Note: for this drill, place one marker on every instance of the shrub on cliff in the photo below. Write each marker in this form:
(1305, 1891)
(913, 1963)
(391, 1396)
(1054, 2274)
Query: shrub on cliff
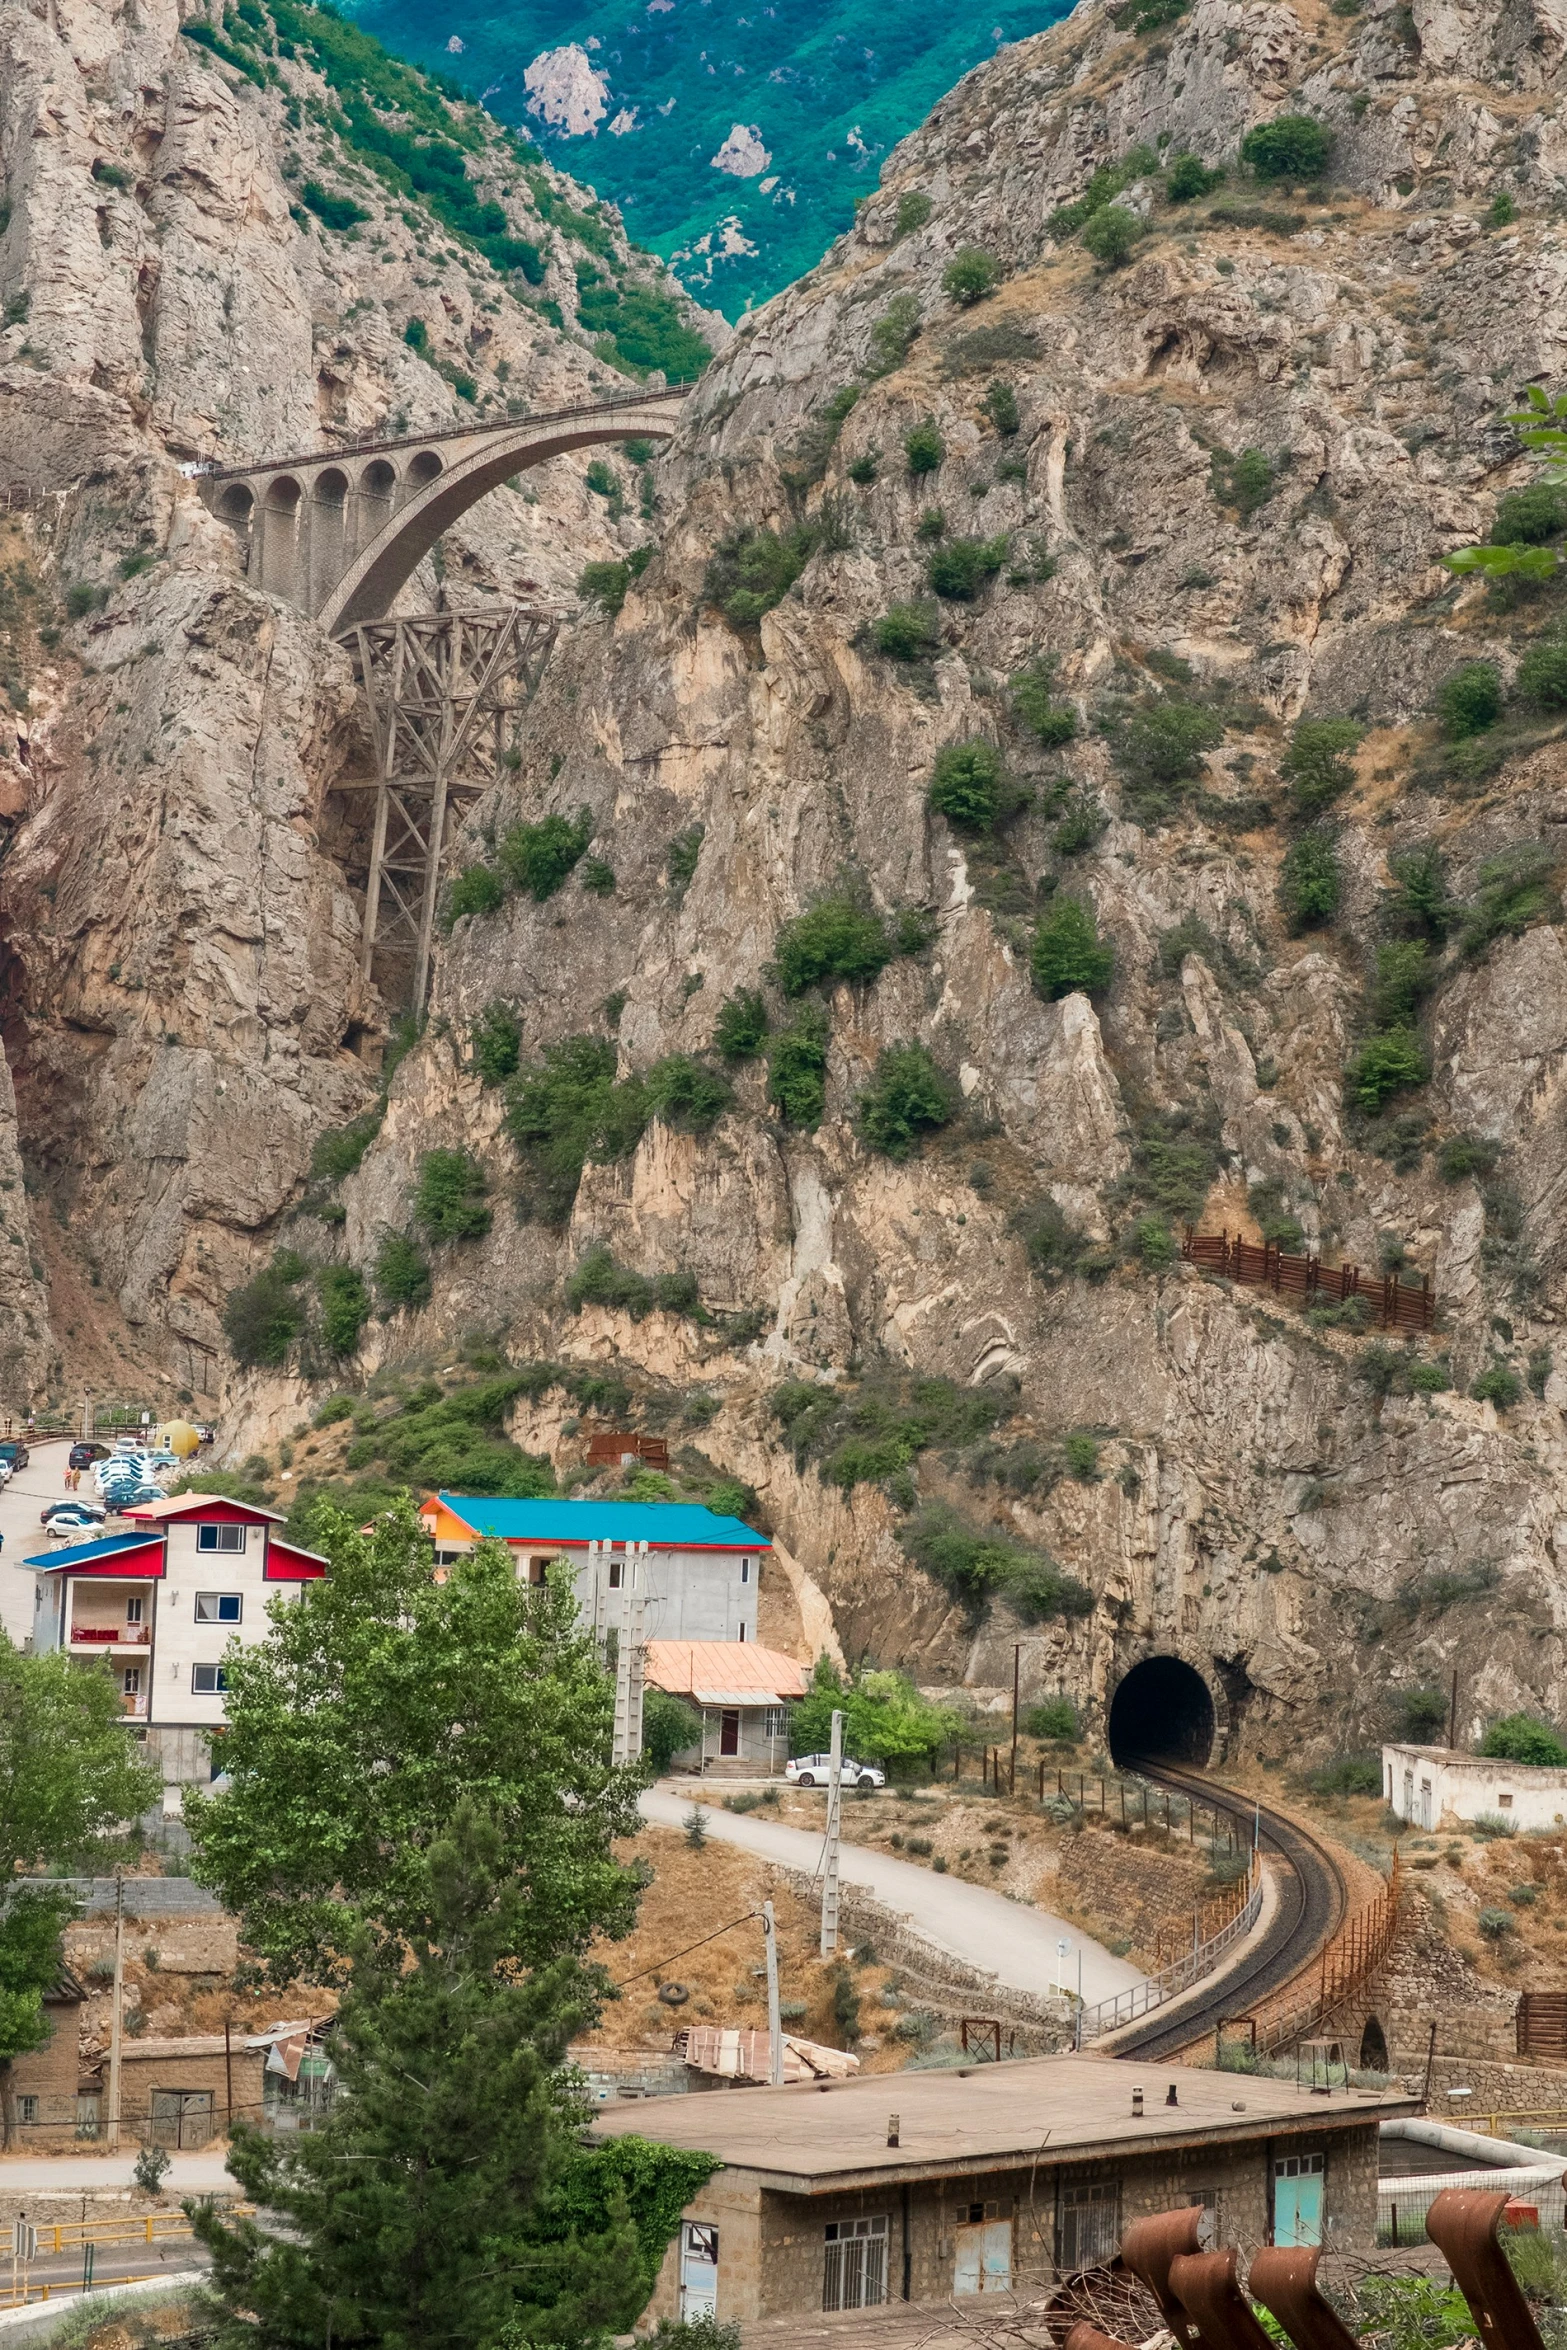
(1387, 1064)
(908, 1096)
(906, 632)
(345, 1307)
(976, 1567)
(923, 447)
(1052, 722)
(402, 1277)
(1188, 178)
(1164, 743)
(477, 889)
(960, 569)
(497, 1043)
(449, 1196)
(970, 276)
(265, 1316)
(969, 785)
(1316, 764)
(1470, 700)
(1291, 147)
(753, 572)
(740, 1031)
(537, 857)
(797, 1068)
(567, 1108)
(1068, 954)
(1310, 882)
(684, 1093)
(1111, 235)
(834, 939)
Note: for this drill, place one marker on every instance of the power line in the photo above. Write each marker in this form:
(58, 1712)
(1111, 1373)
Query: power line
(743, 1920)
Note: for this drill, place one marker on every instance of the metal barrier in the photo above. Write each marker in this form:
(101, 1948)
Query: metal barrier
(1093, 2023)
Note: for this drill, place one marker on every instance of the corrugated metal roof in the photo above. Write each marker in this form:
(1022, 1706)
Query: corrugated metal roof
(106, 1547)
(185, 1505)
(724, 1672)
(667, 1525)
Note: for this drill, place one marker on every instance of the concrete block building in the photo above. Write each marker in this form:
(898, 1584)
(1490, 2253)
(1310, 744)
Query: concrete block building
(1425, 1784)
(701, 1572)
(743, 1693)
(45, 2105)
(918, 2187)
(160, 1606)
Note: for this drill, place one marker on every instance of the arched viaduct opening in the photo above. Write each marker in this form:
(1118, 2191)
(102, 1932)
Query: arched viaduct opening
(1161, 1711)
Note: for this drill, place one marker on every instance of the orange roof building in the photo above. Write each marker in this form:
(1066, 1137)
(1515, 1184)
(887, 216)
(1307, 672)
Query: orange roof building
(743, 1693)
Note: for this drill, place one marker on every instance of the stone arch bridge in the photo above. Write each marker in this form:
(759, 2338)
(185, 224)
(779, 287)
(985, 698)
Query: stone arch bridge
(339, 533)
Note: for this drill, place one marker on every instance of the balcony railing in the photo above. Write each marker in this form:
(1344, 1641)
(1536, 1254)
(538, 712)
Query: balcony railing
(128, 1635)
(134, 1708)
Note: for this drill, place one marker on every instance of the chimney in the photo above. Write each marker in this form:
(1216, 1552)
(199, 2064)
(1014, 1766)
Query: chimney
(1137, 2105)
(892, 2129)
(1171, 2097)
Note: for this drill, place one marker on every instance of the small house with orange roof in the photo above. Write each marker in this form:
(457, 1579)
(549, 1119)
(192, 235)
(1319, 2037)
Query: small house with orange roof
(743, 1693)
(162, 1605)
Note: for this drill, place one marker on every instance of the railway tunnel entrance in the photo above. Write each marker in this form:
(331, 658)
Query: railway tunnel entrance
(1163, 1711)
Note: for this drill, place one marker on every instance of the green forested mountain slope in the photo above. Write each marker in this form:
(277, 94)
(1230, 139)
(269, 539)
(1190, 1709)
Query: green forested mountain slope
(639, 96)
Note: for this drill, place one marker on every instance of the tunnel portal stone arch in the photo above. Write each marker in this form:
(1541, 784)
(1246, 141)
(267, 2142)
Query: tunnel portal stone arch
(1162, 1710)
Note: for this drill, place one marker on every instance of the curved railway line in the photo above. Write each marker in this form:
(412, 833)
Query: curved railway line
(1313, 1903)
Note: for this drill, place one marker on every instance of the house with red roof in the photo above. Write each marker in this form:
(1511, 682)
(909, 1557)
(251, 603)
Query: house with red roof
(162, 1604)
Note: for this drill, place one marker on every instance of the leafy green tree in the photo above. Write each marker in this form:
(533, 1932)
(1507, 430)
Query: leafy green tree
(538, 857)
(1311, 883)
(446, 2199)
(797, 1068)
(1419, 902)
(402, 1277)
(1387, 1064)
(345, 1307)
(477, 889)
(70, 1779)
(1188, 178)
(265, 1316)
(834, 939)
(1068, 953)
(923, 447)
(886, 1720)
(740, 1032)
(669, 1726)
(1316, 764)
(1291, 147)
(970, 787)
(497, 1043)
(1112, 235)
(1542, 674)
(960, 568)
(1405, 976)
(908, 1096)
(1165, 742)
(1524, 1738)
(449, 1197)
(1470, 700)
(906, 632)
(1056, 1717)
(686, 1094)
(378, 1703)
(970, 276)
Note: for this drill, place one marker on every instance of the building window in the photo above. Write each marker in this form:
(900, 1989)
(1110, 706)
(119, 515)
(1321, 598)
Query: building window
(616, 1570)
(208, 1680)
(130, 1681)
(775, 1722)
(221, 1537)
(133, 1608)
(1504, 1803)
(1089, 2233)
(855, 2275)
(741, 1633)
(219, 1607)
(27, 2111)
(745, 1570)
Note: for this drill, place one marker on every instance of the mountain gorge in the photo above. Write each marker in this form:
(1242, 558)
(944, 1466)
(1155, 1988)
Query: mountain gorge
(1022, 781)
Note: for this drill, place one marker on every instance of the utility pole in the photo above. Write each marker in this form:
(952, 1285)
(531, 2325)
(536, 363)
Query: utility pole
(775, 2068)
(830, 1851)
(1017, 1657)
(1452, 1719)
(628, 1658)
(228, 2075)
(115, 2013)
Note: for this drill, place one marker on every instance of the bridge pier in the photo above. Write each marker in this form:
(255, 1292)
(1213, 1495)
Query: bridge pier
(446, 693)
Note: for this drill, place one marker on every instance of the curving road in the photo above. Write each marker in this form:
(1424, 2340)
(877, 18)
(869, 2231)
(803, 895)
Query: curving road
(1313, 1899)
(984, 1929)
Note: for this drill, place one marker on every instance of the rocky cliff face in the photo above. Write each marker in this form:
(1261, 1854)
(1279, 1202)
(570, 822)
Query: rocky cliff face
(1218, 479)
(184, 1013)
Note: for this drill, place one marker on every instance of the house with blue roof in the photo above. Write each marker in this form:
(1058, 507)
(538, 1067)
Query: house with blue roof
(701, 1573)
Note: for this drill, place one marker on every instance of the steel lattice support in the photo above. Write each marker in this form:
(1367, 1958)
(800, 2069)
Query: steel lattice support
(446, 693)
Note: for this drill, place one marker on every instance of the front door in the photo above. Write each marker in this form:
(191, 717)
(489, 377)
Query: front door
(729, 1730)
(984, 2263)
(181, 2118)
(1297, 2199)
(698, 2271)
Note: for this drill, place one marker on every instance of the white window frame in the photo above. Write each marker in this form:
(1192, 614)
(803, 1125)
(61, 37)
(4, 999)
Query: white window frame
(854, 2263)
(217, 1600)
(135, 1607)
(130, 1681)
(775, 1722)
(218, 1686)
(222, 1537)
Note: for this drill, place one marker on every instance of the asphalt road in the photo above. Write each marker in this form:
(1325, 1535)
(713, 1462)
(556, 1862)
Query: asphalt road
(983, 1929)
(42, 1480)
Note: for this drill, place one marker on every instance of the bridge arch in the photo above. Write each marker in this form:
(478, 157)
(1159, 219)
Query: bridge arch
(328, 548)
(1164, 1709)
(279, 543)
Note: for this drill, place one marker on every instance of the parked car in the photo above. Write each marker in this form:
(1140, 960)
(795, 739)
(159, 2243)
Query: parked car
(83, 1455)
(60, 1526)
(812, 1770)
(15, 1452)
(90, 1511)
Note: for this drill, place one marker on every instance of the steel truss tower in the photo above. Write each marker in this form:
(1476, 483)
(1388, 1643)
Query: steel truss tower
(446, 694)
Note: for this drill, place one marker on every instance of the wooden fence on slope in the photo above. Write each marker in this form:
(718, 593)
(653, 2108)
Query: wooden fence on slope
(1398, 1305)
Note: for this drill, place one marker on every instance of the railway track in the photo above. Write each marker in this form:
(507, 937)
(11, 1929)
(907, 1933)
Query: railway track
(1312, 1906)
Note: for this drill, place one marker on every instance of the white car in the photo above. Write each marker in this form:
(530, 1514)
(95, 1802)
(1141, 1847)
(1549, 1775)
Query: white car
(813, 1770)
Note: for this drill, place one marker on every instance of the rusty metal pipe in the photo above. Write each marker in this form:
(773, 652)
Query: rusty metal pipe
(1285, 2282)
(1462, 2224)
(1205, 2284)
(1083, 2336)
(1148, 2248)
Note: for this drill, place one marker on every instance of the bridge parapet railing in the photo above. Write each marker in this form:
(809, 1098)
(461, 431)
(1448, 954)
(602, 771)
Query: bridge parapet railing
(491, 427)
(1109, 2015)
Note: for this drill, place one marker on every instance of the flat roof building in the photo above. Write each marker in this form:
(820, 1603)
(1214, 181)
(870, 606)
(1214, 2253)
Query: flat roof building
(1427, 1784)
(917, 2187)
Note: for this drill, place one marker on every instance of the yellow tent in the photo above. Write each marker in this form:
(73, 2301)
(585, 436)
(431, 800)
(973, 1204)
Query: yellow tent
(180, 1437)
